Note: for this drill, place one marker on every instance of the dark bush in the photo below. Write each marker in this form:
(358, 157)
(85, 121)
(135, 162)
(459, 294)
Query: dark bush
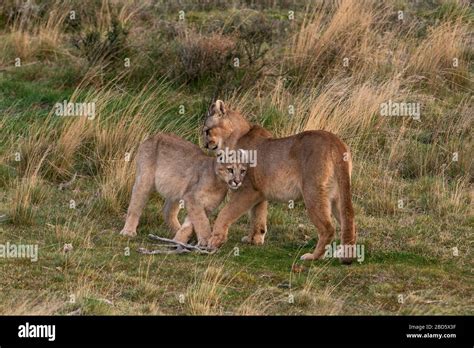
(103, 49)
(205, 56)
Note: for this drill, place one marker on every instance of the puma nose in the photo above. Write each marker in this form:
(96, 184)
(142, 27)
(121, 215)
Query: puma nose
(234, 184)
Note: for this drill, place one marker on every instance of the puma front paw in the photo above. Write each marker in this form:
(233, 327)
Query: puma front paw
(215, 242)
(255, 240)
(246, 239)
(308, 257)
(128, 233)
(203, 242)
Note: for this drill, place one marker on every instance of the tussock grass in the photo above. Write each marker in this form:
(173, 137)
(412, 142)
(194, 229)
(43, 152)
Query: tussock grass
(30, 303)
(260, 302)
(325, 301)
(115, 186)
(28, 192)
(204, 296)
(30, 39)
(438, 53)
(322, 43)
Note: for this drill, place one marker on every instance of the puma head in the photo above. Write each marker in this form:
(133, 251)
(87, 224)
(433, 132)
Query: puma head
(232, 173)
(217, 126)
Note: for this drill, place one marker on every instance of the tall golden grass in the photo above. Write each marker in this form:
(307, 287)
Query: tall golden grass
(385, 61)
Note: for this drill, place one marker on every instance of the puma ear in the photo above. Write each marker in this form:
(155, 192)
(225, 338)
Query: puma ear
(218, 108)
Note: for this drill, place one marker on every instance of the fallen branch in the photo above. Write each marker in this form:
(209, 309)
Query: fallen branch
(178, 250)
(174, 247)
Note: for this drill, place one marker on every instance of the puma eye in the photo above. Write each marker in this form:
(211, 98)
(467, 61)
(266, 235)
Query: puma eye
(230, 170)
(242, 171)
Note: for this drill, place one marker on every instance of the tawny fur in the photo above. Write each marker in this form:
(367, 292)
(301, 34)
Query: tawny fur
(314, 166)
(179, 170)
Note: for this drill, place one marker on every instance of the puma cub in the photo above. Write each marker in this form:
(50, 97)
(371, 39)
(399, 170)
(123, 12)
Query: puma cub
(179, 170)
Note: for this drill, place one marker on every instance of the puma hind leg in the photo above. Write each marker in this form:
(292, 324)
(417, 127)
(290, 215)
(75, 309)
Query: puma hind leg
(258, 220)
(199, 220)
(141, 190)
(170, 215)
(319, 211)
(185, 232)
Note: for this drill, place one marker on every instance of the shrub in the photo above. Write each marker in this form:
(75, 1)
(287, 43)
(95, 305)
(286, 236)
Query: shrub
(205, 56)
(255, 33)
(103, 49)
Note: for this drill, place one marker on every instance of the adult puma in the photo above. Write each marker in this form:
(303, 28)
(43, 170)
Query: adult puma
(314, 166)
(179, 170)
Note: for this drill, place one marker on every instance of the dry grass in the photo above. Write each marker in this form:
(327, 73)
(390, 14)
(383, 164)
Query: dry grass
(106, 145)
(30, 39)
(435, 56)
(385, 62)
(22, 210)
(28, 190)
(319, 301)
(322, 44)
(33, 39)
(29, 303)
(204, 296)
(260, 302)
(115, 185)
